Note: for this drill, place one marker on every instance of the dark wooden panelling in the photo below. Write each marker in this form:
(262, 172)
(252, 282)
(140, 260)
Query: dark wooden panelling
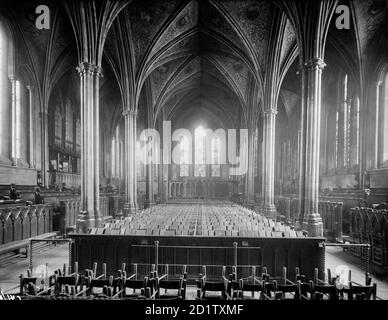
(274, 253)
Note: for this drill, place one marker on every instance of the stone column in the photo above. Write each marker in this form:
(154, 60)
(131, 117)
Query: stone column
(310, 128)
(249, 180)
(160, 168)
(44, 152)
(377, 124)
(313, 25)
(150, 185)
(268, 156)
(130, 207)
(31, 158)
(166, 186)
(90, 173)
(13, 80)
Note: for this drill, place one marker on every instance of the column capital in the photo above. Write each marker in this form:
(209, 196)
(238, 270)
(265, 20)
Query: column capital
(90, 68)
(313, 63)
(270, 112)
(129, 112)
(12, 77)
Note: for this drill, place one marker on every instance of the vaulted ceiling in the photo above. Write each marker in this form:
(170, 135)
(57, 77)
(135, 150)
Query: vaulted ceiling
(197, 53)
(186, 57)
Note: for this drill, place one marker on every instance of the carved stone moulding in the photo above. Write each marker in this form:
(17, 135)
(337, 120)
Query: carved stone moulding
(86, 67)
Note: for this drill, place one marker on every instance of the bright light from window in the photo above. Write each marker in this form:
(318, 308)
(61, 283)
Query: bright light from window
(3, 78)
(200, 132)
(200, 167)
(18, 119)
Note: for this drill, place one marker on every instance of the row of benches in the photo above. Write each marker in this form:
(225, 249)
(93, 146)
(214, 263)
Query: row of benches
(370, 226)
(224, 220)
(191, 232)
(18, 223)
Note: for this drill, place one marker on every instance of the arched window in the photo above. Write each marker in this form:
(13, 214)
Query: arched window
(140, 166)
(14, 107)
(117, 152)
(78, 135)
(5, 95)
(69, 127)
(255, 153)
(216, 156)
(355, 132)
(341, 123)
(18, 116)
(381, 150)
(343, 139)
(336, 138)
(184, 157)
(113, 157)
(200, 154)
(58, 119)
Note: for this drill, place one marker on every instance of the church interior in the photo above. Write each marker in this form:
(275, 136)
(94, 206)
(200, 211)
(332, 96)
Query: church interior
(194, 149)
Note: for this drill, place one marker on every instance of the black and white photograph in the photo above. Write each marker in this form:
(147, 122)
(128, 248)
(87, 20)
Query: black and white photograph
(194, 156)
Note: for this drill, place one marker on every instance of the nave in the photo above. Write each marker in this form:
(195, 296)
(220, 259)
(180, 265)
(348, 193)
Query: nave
(241, 136)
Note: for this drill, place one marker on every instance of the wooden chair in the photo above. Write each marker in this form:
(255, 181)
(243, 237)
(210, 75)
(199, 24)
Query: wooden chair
(359, 292)
(168, 283)
(131, 282)
(324, 292)
(28, 286)
(99, 283)
(64, 283)
(305, 286)
(223, 286)
(284, 291)
(253, 285)
(284, 288)
(26, 283)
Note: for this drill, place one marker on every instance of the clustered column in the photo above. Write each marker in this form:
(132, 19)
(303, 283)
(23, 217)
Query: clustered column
(44, 154)
(269, 209)
(249, 184)
(310, 128)
(150, 184)
(90, 202)
(130, 206)
(31, 158)
(13, 80)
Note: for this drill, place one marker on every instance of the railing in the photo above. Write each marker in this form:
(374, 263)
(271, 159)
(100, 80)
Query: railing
(71, 180)
(241, 259)
(19, 223)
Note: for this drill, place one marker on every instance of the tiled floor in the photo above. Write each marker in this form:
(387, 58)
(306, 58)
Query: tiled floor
(55, 257)
(336, 257)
